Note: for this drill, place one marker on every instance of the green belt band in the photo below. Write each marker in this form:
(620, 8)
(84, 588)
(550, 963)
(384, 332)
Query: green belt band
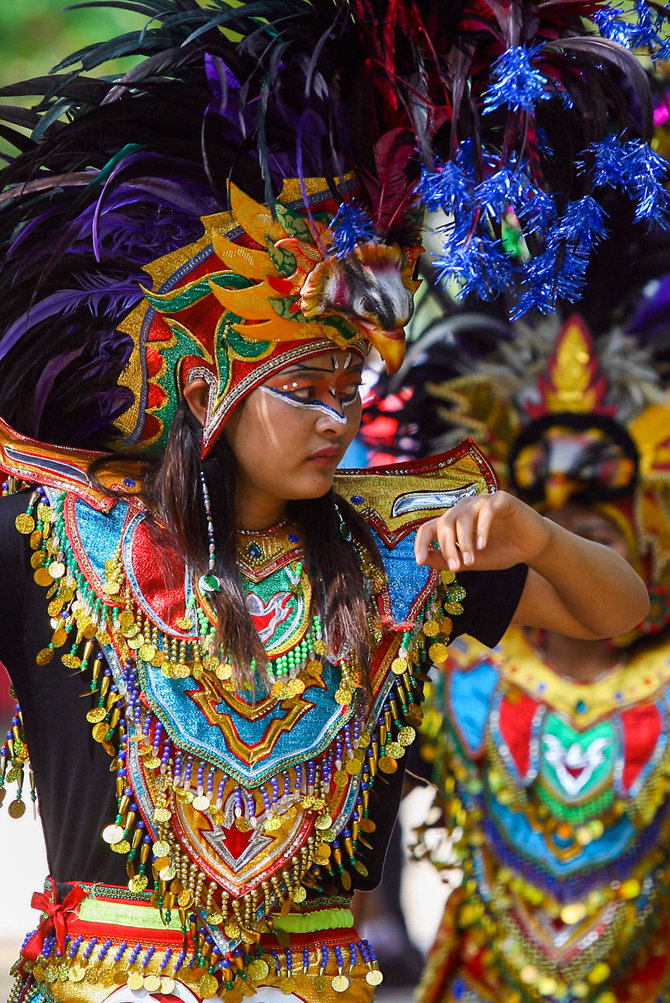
(142, 917)
(146, 917)
(324, 919)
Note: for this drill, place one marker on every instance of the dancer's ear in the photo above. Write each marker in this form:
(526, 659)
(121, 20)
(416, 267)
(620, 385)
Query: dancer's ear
(196, 394)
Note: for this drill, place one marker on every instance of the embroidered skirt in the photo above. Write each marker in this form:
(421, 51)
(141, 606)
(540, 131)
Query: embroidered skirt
(108, 945)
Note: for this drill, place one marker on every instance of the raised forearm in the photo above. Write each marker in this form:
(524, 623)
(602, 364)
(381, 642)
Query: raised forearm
(596, 587)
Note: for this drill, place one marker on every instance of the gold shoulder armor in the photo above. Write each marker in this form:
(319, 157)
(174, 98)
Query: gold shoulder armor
(397, 498)
(64, 468)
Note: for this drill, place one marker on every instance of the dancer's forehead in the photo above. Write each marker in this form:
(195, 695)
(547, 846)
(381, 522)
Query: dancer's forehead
(328, 363)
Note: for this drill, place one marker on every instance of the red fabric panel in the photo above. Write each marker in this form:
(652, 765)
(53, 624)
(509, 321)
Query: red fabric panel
(517, 711)
(642, 729)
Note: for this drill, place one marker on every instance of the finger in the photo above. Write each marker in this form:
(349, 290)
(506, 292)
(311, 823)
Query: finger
(425, 536)
(446, 535)
(483, 526)
(465, 523)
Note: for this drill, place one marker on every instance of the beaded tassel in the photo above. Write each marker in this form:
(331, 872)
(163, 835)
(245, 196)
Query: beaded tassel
(209, 582)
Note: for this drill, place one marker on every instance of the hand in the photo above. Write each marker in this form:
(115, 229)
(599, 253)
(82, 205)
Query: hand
(487, 532)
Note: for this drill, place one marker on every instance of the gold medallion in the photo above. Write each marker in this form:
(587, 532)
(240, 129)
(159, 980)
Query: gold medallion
(374, 977)
(340, 983)
(152, 983)
(438, 652)
(454, 608)
(38, 559)
(258, 969)
(42, 577)
(99, 731)
(387, 765)
(354, 767)
(399, 666)
(343, 696)
(201, 803)
(44, 656)
(207, 986)
(161, 848)
(138, 883)
(135, 981)
(96, 714)
(167, 985)
(406, 735)
(56, 569)
(322, 854)
(17, 809)
(59, 638)
(24, 523)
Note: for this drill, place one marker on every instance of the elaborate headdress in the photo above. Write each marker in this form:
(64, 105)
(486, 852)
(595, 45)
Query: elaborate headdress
(501, 115)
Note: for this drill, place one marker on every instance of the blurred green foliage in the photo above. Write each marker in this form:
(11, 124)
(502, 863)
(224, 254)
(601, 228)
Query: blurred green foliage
(37, 34)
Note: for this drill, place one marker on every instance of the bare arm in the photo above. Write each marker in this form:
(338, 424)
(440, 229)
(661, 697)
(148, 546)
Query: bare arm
(574, 587)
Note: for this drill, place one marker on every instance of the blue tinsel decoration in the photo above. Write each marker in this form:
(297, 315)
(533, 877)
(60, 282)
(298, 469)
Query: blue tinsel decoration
(480, 264)
(609, 169)
(638, 170)
(351, 226)
(582, 223)
(446, 187)
(538, 212)
(507, 187)
(516, 82)
(647, 172)
(613, 27)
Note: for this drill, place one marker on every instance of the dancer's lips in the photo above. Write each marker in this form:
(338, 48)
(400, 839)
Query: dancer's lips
(327, 456)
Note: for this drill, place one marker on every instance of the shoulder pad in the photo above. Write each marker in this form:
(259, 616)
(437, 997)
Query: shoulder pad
(64, 468)
(397, 498)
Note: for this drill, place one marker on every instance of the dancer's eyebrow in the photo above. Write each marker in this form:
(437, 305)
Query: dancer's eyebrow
(299, 368)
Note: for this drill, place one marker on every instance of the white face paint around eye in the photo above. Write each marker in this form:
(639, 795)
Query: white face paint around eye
(287, 397)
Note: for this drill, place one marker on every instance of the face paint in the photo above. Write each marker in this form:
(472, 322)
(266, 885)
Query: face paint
(316, 405)
(314, 388)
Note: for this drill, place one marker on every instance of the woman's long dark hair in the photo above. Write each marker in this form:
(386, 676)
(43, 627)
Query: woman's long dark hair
(173, 493)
